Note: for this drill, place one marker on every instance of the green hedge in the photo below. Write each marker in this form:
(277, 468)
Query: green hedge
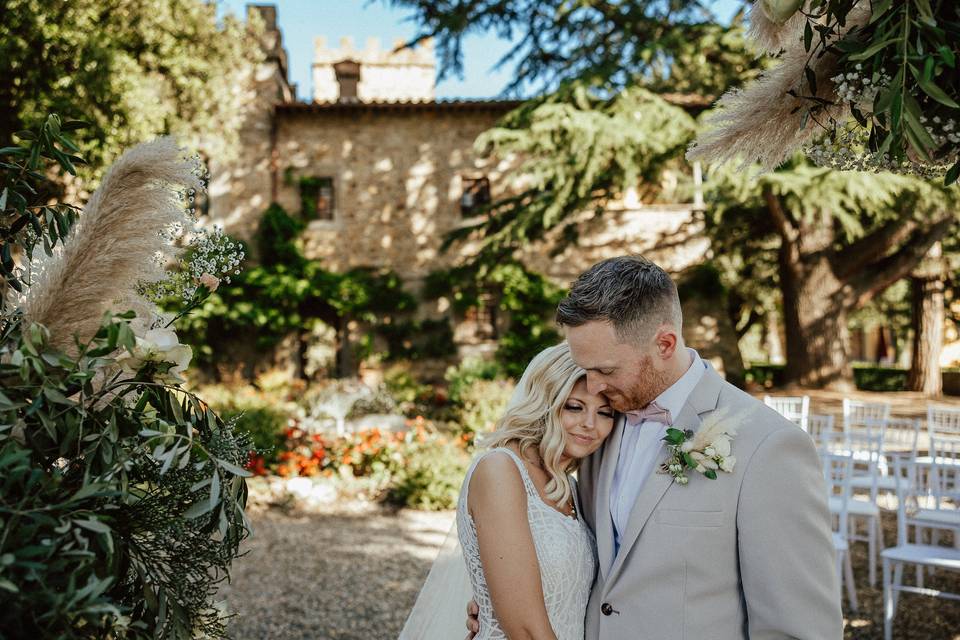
(867, 377)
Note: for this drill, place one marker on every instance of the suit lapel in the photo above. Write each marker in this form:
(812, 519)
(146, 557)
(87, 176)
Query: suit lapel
(604, 524)
(702, 399)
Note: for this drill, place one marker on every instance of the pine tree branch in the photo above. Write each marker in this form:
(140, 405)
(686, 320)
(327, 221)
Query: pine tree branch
(872, 247)
(880, 274)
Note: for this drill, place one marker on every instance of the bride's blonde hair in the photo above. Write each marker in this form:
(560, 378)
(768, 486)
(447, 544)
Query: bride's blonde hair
(532, 417)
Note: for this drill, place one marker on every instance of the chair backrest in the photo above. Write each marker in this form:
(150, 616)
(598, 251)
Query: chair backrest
(901, 434)
(837, 473)
(793, 408)
(866, 446)
(945, 471)
(907, 483)
(943, 419)
(857, 412)
(820, 426)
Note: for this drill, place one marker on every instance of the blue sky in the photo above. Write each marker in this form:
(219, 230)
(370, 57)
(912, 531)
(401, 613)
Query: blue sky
(302, 20)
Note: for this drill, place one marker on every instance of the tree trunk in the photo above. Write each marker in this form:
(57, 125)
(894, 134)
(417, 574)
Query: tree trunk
(815, 318)
(927, 318)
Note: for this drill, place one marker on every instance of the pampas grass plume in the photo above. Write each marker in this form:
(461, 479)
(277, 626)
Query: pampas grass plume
(114, 246)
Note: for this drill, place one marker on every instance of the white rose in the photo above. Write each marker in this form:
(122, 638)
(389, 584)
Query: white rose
(721, 447)
(686, 447)
(711, 464)
(709, 452)
(158, 345)
(701, 468)
(727, 463)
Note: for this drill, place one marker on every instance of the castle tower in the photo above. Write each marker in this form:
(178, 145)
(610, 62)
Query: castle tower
(349, 74)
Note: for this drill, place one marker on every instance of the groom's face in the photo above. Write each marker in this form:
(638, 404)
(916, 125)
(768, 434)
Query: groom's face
(626, 373)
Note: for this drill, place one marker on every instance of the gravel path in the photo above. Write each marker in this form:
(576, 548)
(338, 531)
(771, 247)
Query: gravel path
(344, 575)
(353, 573)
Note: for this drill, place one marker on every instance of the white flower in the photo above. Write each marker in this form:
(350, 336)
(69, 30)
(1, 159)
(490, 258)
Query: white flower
(721, 447)
(710, 452)
(686, 447)
(727, 463)
(159, 346)
(682, 479)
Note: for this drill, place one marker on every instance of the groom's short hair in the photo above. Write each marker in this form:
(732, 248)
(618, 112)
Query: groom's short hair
(630, 292)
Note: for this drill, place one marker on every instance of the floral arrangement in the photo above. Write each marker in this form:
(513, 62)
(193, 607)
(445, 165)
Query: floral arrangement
(122, 494)
(860, 86)
(705, 451)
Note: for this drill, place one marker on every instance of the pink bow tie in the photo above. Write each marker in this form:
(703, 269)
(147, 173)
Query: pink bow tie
(652, 411)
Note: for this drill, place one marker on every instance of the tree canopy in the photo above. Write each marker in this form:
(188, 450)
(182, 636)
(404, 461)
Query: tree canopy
(131, 69)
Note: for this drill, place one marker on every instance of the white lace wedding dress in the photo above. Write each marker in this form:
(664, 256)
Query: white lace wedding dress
(565, 549)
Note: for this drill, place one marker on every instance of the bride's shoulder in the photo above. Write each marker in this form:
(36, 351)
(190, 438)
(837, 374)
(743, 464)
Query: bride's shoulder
(496, 470)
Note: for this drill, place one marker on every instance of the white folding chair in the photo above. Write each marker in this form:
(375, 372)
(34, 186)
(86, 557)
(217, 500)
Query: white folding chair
(820, 426)
(856, 413)
(865, 448)
(837, 469)
(793, 408)
(943, 420)
(907, 475)
(900, 436)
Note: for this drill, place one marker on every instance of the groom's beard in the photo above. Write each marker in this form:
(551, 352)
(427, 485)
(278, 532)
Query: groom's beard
(650, 383)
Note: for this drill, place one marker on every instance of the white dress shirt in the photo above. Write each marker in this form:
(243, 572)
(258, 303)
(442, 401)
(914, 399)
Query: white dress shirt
(641, 448)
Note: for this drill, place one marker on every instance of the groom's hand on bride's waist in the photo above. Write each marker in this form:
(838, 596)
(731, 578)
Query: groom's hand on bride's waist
(473, 621)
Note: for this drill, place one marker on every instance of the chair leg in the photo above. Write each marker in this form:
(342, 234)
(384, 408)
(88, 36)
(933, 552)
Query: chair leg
(872, 551)
(851, 587)
(897, 581)
(889, 606)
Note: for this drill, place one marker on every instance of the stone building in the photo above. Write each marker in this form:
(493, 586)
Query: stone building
(382, 171)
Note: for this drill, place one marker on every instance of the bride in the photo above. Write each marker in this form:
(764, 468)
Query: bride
(530, 557)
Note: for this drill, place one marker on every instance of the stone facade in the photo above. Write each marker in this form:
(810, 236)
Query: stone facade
(398, 161)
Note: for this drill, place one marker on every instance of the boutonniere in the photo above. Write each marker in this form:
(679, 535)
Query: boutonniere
(705, 451)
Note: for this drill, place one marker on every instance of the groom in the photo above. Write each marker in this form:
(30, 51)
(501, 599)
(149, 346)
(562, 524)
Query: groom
(746, 555)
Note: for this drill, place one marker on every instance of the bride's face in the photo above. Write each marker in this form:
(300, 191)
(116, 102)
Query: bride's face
(587, 419)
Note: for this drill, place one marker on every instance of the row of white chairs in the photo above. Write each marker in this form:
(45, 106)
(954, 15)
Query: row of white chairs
(872, 461)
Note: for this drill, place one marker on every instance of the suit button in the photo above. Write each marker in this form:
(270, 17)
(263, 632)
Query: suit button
(606, 609)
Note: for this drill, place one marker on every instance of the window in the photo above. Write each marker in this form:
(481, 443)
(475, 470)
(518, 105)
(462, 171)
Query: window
(316, 198)
(484, 317)
(476, 194)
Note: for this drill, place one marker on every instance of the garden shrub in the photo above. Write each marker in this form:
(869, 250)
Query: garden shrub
(430, 473)
(875, 378)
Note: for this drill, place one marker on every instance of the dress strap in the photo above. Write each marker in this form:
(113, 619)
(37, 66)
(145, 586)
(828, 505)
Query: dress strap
(527, 482)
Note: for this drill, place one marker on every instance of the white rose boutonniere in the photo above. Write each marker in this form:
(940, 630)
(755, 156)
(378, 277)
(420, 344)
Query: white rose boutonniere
(705, 451)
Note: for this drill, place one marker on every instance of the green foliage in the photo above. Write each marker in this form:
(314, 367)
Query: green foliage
(528, 298)
(27, 218)
(431, 475)
(133, 70)
(908, 49)
(122, 499)
(418, 339)
(678, 43)
(872, 378)
(468, 373)
(577, 150)
(287, 293)
(478, 394)
(277, 236)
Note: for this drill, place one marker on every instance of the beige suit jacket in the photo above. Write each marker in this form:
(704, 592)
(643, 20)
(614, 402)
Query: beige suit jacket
(748, 555)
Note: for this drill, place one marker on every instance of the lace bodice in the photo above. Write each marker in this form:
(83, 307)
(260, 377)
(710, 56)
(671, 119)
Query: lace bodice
(566, 552)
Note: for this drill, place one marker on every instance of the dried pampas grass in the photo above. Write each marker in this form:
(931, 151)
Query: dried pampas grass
(767, 36)
(761, 122)
(114, 246)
